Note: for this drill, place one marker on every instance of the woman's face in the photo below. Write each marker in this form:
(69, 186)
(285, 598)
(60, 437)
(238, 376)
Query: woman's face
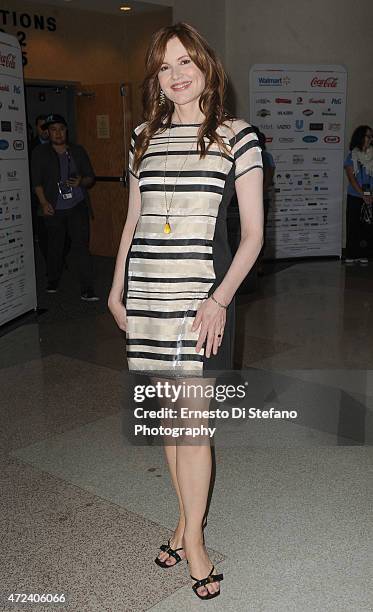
(367, 139)
(180, 79)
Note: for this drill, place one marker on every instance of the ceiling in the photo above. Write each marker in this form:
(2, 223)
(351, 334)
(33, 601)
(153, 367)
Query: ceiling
(109, 6)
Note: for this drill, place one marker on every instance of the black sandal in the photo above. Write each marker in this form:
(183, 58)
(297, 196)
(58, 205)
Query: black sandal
(210, 578)
(172, 552)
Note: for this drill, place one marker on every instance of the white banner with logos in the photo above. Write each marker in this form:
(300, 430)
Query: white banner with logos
(301, 110)
(17, 270)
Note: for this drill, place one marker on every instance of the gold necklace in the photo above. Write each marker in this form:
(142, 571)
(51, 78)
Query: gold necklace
(167, 226)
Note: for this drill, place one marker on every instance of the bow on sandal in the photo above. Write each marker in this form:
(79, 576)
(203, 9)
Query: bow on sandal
(170, 551)
(210, 578)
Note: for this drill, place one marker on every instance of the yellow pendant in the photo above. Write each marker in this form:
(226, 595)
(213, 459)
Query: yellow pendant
(167, 228)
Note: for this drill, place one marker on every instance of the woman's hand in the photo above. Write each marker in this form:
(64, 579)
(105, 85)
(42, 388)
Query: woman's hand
(118, 311)
(368, 199)
(210, 318)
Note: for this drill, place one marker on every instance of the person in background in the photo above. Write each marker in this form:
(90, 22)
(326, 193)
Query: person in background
(61, 175)
(38, 225)
(41, 136)
(359, 169)
(30, 134)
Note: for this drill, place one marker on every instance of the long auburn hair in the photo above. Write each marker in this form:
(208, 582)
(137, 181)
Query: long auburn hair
(211, 102)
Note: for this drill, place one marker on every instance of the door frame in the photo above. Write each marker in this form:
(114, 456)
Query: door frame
(72, 88)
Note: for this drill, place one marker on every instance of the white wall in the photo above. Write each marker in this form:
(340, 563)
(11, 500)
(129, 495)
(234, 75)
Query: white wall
(208, 16)
(246, 32)
(304, 32)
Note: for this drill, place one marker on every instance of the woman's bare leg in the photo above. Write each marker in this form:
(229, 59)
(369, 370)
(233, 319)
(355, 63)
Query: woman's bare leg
(176, 541)
(193, 472)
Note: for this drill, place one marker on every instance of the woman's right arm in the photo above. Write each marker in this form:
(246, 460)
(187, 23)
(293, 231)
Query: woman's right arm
(115, 300)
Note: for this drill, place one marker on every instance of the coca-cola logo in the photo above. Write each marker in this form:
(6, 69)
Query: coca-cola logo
(8, 61)
(328, 82)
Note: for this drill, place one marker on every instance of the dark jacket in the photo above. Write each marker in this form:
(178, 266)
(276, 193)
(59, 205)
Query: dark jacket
(35, 142)
(45, 170)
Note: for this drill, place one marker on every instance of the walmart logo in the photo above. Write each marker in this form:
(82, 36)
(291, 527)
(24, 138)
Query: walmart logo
(273, 81)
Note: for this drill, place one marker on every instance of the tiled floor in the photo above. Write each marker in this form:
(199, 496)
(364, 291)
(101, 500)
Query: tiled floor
(83, 511)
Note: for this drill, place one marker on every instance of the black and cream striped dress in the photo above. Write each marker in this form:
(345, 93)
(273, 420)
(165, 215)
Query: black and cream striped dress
(167, 276)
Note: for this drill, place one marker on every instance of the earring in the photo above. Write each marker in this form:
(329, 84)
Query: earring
(162, 98)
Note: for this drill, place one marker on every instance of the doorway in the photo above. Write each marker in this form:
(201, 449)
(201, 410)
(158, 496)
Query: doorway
(46, 97)
(99, 118)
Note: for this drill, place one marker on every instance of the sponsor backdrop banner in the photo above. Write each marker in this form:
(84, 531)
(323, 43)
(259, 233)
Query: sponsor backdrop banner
(17, 271)
(301, 111)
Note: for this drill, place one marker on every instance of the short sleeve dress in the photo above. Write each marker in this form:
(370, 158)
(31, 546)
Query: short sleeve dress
(167, 276)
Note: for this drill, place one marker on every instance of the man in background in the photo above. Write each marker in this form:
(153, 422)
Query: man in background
(41, 136)
(38, 225)
(61, 175)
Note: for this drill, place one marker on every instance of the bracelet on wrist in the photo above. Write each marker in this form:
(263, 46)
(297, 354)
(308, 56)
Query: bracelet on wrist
(218, 303)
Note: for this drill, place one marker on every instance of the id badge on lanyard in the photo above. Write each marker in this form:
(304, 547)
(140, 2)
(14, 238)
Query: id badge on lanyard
(64, 189)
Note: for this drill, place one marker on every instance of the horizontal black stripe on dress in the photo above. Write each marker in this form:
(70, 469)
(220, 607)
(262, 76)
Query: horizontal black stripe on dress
(165, 343)
(184, 299)
(150, 291)
(152, 255)
(248, 170)
(163, 357)
(244, 132)
(174, 215)
(173, 136)
(166, 279)
(170, 299)
(161, 314)
(186, 173)
(245, 147)
(161, 154)
(182, 188)
(173, 241)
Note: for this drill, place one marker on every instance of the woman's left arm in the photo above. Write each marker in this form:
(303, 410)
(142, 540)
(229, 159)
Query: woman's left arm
(211, 316)
(249, 189)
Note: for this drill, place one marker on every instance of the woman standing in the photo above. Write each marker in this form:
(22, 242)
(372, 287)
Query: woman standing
(359, 169)
(174, 271)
